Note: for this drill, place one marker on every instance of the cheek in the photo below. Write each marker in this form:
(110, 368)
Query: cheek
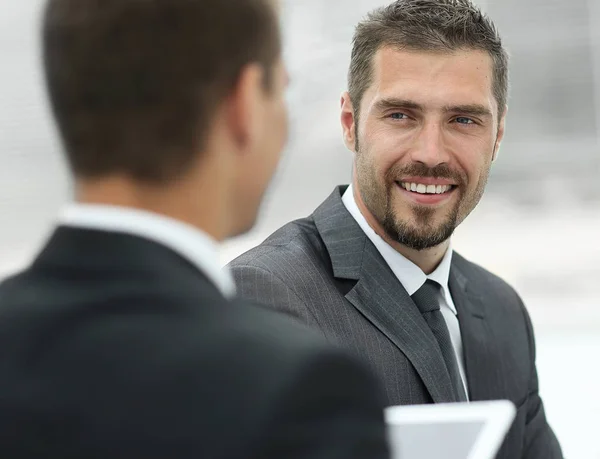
(278, 127)
(474, 160)
(479, 167)
(383, 148)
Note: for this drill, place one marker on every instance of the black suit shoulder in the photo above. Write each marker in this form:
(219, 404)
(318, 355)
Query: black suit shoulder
(149, 366)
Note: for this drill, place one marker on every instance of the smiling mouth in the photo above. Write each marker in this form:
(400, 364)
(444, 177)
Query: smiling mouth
(421, 188)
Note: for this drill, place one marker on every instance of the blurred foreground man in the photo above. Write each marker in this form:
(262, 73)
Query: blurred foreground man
(372, 268)
(121, 340)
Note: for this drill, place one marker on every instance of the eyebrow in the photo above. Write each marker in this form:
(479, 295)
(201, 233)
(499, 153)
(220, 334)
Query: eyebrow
(467, 109)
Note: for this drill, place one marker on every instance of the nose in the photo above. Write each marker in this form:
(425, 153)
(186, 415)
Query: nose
(430, 148)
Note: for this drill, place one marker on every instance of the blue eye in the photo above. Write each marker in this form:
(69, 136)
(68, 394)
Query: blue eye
(398, 116)
(464, 120)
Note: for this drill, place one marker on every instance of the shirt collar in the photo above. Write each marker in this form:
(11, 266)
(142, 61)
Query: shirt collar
(189, 242)
(410, 275)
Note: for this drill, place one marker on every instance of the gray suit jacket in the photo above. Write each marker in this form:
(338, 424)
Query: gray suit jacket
(325, 271)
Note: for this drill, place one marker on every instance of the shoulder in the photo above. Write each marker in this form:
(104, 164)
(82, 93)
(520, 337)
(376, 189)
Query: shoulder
(259, 361)
(238, 342)
(203, 364)
(292, 246)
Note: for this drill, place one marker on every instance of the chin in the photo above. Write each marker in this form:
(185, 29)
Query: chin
(419, 235)
(419, 240)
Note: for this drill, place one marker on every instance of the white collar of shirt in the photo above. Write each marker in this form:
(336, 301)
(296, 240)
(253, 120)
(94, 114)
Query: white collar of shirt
(189, 242)
(410, 275)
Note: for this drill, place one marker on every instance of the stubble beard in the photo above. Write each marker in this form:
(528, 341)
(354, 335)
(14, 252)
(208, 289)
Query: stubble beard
(417, 231)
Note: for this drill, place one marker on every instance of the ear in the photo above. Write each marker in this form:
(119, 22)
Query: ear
(245, 107)
(348, 122)
(499, 135)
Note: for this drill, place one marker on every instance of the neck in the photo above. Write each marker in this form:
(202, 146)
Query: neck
(427, 260)
(178, 201)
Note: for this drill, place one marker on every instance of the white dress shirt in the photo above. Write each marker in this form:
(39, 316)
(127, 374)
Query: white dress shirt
(412, 277)
(189, 242)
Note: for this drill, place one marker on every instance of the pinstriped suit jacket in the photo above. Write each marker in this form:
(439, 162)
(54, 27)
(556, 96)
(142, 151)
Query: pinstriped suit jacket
(325, 271)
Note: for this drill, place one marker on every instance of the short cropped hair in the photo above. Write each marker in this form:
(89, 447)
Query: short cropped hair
(134, 84)
(426, 25)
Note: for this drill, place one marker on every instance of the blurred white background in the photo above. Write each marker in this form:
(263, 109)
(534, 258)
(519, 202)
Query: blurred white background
(538, 226)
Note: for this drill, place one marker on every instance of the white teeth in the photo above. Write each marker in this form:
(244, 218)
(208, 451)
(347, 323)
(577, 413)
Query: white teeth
(425, 189)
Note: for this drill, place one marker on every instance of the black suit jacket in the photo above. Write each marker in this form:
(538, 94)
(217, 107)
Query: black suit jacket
(112, 346)
(326, 272)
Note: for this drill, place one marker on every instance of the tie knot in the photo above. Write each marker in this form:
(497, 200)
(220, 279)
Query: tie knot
(426, 298)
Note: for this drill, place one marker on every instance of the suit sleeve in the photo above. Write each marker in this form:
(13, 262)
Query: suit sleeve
(332, 408)
(540, 440)
(258, 285)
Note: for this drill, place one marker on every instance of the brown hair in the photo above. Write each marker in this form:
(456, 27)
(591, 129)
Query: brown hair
(425, 25)
(134, 84)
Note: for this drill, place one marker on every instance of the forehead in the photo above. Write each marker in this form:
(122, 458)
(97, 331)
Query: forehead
(434, 78)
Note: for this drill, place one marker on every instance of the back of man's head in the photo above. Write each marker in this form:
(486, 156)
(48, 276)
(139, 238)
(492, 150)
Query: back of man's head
(134, 84)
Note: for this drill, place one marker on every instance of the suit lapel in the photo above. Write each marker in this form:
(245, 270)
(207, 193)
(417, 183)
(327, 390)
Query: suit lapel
(484, 375)
(379, 296)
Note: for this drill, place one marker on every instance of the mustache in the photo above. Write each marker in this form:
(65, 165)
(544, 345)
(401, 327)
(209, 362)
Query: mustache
(422, 170)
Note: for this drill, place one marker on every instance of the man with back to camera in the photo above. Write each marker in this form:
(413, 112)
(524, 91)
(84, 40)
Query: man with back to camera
(122, 339)
(373, 268)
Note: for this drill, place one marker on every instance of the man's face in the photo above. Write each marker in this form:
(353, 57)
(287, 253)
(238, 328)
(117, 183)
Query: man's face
(427, 132)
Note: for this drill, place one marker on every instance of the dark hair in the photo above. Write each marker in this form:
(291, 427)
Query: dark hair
(134, 84)
(425, 25)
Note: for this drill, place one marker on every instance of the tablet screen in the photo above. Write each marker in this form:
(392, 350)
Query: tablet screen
(450, 431)
(434, 441)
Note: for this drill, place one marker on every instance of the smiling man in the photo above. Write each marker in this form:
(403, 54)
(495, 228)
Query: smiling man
(372, 268)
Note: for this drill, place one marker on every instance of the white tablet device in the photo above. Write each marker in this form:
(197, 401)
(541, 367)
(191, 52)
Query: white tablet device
(451, 431)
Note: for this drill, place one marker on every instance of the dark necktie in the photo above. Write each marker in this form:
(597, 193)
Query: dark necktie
(426, 299)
